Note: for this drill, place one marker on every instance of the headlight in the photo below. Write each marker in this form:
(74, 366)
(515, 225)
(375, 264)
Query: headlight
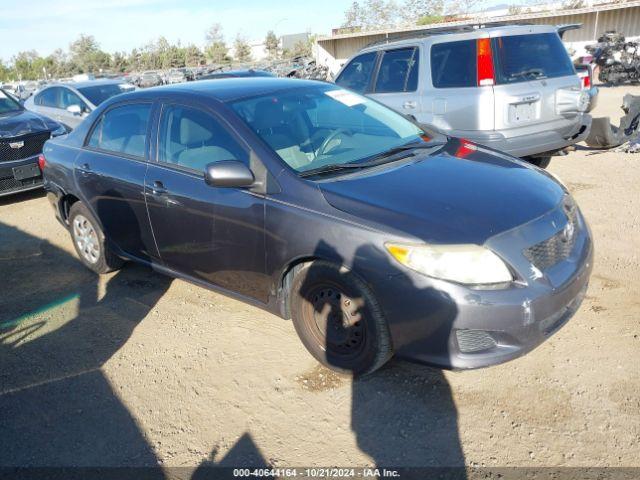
(468, 264)
(59, 131)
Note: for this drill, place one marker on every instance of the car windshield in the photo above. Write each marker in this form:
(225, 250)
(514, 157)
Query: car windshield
(8, 104)
(313, 127)
(97, 94)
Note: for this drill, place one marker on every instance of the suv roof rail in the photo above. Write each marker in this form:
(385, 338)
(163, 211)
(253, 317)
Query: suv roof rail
(427, 32)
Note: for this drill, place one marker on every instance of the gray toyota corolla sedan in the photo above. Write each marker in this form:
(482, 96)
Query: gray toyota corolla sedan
(323, 206)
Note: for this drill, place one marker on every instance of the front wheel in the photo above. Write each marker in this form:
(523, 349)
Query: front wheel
(338, 319)
(90, 242)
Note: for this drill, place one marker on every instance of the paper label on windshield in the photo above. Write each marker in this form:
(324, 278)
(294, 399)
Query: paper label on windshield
(2, 95)
(343, 96)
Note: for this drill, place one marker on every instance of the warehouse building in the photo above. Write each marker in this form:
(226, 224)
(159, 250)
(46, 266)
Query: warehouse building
(334, 50)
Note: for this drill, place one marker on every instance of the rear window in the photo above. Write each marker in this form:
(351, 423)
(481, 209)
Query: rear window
(519, 58)
(99, 93)
(453, 64)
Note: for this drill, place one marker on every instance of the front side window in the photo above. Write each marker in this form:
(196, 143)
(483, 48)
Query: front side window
(68, 98)
(520, 58)
(122, 130)
(357, 74)
(453, 64)
(48, 98)
(192, 138)
(398, 71)
(312, 127)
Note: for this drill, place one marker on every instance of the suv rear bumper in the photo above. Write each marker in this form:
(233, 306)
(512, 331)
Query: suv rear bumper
(532, 144)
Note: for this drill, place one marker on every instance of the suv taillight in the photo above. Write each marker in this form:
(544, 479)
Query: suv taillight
(586, 81)
(486, 75)
(42, 162)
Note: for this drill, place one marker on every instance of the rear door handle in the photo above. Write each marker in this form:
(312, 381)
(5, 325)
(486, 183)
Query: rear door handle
(409, 104)
(85, 169)
(158, 188)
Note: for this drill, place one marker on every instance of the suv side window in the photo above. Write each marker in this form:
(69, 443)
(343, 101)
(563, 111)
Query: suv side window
(68, 98)
(453, 64)
(357, 74)
(122, 129)
(398, 71)
(48, 97)
(192, 138)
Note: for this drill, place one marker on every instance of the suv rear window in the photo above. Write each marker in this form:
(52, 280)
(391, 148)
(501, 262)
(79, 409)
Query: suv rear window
(519, 58)
(453, 64)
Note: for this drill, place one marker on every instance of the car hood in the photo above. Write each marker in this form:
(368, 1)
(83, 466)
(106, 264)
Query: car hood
(443, 198)
(15, 124)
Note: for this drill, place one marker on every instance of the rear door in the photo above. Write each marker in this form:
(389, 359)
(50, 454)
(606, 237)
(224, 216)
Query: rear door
(46, 103)
(396, 80)
(458, 105)
(534, 78)
(110, 172)
(209, 233)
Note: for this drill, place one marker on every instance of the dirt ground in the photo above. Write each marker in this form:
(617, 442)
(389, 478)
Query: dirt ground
(138, 369)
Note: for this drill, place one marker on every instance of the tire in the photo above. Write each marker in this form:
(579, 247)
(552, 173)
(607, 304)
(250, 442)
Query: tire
(541, 162)
(338, 319)
(89, 241)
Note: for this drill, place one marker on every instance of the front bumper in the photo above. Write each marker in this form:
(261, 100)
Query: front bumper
(457, 327)
(11, 181)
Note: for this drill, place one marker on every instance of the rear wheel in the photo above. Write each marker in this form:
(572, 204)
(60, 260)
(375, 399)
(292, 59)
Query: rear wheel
(542, 162)
(338, 319)
(89, 241)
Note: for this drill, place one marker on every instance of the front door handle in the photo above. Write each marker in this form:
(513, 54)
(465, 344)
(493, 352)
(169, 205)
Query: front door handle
(409, 104)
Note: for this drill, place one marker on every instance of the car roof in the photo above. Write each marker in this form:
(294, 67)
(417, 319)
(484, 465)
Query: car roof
(225, 89)
(87, 83)
(466, 31)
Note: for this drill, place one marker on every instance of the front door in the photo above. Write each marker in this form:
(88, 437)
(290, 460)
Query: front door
(110, 173)
(209, 233)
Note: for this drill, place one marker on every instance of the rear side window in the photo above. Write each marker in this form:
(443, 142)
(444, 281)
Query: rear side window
(47, 98)
(357, 74)
(453, 64)
(519, 58)
(398, 71)
(122, 130)
(193, 138)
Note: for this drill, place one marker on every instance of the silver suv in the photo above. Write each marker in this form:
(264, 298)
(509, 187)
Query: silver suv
(512, 88)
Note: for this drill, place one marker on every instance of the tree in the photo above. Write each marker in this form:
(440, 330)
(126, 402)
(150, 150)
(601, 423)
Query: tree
(242, 50)
(414, 11)
(353, 16)
(86, 55)
(271, 44)
(216, 49)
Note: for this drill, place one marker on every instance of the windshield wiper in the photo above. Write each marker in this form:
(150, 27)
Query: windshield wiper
(393, 154)
(536, 72)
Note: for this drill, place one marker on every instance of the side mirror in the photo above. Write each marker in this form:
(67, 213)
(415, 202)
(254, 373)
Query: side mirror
(228, 173)
(74, 109)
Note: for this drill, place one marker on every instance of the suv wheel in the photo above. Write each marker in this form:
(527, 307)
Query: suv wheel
(541, 162)
(89, 241)
(338, 319)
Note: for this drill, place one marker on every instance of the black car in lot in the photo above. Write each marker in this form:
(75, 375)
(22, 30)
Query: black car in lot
(324, 206)
(22, 136)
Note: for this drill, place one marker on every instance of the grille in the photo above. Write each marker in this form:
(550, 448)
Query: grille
(558, 247)
(471, 341)
(32, 146)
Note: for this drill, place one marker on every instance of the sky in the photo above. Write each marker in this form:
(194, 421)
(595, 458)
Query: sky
(121, 25)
